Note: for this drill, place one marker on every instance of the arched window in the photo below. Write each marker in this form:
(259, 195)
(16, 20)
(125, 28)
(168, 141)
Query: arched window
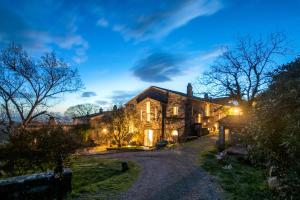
(148, 110)
(199, 118)
(175, 110)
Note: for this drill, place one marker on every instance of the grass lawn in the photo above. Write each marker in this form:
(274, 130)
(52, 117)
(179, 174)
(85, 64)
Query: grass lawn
(98, 178)
(242, 181)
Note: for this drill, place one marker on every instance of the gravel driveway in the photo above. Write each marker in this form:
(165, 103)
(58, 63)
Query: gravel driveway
(172, 174)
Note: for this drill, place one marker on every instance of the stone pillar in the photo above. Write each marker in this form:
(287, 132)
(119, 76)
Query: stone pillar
(188, 131)
(52, 121)
(188, 117)
(221, 141)
(163, 119)
(189, 90)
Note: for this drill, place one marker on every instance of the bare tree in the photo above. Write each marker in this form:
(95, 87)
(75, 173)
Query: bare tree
(82, 110)
(27, 86)
(121, 124)
(242, 71)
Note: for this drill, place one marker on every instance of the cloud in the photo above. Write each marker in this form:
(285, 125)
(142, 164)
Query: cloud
(102, 102)
(121, 96)
(102, 22)
(40, 34)
(88, 94)
(158, 67)
(168, 16)
(212, 54)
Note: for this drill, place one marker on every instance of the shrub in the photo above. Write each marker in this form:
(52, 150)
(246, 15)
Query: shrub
(273, 135)
(37, 150)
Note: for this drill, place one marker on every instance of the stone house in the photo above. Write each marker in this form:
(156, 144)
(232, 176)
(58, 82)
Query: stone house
(94, 122)
(175, 116)
(91, 119)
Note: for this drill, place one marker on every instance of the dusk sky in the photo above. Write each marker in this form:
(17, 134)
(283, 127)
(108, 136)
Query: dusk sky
(122, 47)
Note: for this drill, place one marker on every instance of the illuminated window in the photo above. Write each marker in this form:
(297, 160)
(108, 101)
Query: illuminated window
(199, 118)
(175, 110)
(148, 111)
(207, 110)
(216, 126)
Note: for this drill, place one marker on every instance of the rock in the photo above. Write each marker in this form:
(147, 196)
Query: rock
(161, 143)
(273, 183)
(124, 166)
(221, 155)
(237, 151)
(228, 167)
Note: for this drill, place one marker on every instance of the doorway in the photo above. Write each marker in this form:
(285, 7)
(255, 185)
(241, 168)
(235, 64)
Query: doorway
(148, 140)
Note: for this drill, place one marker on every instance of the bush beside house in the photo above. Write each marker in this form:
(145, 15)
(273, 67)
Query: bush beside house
(273, 136)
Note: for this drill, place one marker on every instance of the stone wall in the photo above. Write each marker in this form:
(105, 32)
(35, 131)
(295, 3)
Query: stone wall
(155, 122)
(36, 186)
(175, 122)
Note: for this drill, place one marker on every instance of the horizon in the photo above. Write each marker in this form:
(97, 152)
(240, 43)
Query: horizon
(120, 50)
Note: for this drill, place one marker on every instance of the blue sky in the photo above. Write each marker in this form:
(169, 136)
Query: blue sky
(122, 47)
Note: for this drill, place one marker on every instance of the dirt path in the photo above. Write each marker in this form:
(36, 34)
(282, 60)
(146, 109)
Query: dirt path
(172, 174)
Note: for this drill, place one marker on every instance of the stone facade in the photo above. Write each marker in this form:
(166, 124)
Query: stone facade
(174, 116)
(168, 115)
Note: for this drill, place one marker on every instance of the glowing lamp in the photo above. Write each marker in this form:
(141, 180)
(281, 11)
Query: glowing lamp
(236, 111)
(174, 133)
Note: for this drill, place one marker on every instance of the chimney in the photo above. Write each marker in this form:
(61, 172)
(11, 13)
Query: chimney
(205, 96)
(189, 90)
(52, 121)
(101, 110)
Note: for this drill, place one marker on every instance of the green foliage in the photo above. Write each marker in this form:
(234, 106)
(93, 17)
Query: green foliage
(242, 181)
(36, 150)
(273, 135)
(84, 131)
(98, 178)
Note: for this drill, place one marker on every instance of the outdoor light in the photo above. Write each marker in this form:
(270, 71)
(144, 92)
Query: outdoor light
(236, 110)
(104, 130)
(174, 133)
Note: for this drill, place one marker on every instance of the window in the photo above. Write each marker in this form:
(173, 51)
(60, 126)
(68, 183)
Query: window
(141, 115)
(148, 111)
(155, 113)
(199, 118)
(207, 110)
(175, 110)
